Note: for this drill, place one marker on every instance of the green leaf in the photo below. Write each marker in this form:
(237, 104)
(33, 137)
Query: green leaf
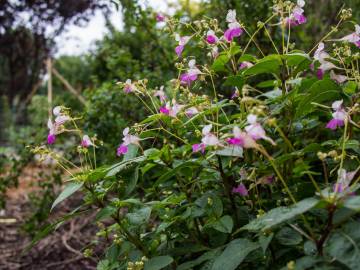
(279, 215)
(353, 203)
(105, 213)
(230, 152)
(265, 240)
(220, 62)
(247, 57)
(319, 92)
(288, 237)
(68, 191)
(268, 66)
(350, 87)
(203, 258)
(123, 165)
(224, 224)
(235, 80)
(294, 59)
(344, 246)
(132, 152)
(131, 180)
(140, 216)
(158, 263)
(190, 164)
(234, 254)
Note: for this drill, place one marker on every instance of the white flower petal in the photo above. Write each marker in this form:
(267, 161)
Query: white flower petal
(206, 129)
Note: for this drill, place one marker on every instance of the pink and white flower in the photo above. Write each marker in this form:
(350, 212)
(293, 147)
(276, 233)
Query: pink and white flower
(245, 64)
(190, 112)
(241, 190)
(297, 16)
(161, 94)
(339, 115)
(86, 141)
(337, 77)
(57, 127)
(255, 130)
(191, 74)
(353, 37)
(129, 86)
(211, 37)
(234, 27)
(208, 139)
(160, 17)
(182, 42)
(344, 180)
(241, 139)
(214, 53)
(171, 110)
(127, 140)
(321, 56)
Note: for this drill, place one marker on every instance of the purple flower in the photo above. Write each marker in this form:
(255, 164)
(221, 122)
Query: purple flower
(320, 74)
(190, 112)
(322, 56)
(338, 78)
(234, 28)
(255, 130)
(339, 115)
(160, 17)
(164, 110)
(121, 150)
(51, 138)
(86, 141)
(297, 16)
(198, 147)
(191, 74)
(236, 94)
(241, 139)
(334, 124)
(129, 86)
(245, 64)
(343, 182)
(182, 42)
(209, 138)
(171, 110)
(241, 190)
(211, 38)
(233, 32)
(161, 94)
(127, 139)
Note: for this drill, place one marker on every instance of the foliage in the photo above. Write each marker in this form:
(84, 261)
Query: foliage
(264, 177)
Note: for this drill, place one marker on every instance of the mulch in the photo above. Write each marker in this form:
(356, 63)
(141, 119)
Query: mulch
(62, 249)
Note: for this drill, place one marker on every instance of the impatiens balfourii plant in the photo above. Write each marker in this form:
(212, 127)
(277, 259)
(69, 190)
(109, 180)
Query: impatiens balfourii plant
(264, 179)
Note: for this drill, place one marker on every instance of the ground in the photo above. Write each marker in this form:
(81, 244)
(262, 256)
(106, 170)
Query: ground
(60, 250)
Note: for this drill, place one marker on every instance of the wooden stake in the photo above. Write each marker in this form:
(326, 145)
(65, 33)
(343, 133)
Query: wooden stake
(68, 86)
(49, 85)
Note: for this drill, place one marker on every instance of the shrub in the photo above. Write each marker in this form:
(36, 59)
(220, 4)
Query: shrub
(264, 178)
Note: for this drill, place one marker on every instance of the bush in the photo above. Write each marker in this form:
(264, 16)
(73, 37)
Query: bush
(265, 177)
